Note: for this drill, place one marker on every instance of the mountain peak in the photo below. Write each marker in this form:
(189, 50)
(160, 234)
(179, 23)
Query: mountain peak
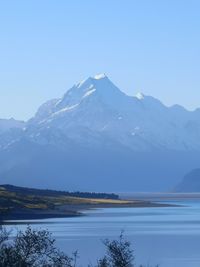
(100, 76)
(98, 88)
(90, 80)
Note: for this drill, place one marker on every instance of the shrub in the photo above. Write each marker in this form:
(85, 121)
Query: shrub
(31, 248)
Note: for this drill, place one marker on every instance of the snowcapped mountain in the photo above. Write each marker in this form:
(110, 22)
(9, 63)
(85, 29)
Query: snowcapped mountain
(96, 108)
(95, 135)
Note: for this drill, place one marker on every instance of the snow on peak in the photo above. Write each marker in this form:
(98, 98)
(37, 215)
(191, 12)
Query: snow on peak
(139, 96)
(81, 83)
(100, 76)
(89, 92)
(65, 109)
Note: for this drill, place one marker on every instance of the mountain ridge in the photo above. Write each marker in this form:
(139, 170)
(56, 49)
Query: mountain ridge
(137, 137)
(131, 114)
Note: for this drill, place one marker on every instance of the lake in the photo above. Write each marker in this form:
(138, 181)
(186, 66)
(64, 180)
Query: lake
(168, 236)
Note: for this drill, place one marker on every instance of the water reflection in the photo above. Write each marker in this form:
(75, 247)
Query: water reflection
(168, 236)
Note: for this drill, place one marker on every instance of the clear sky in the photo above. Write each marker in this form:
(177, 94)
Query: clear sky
(46, 46)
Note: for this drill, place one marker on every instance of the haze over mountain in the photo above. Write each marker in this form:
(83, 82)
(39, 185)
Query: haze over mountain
(98, 138)
(7, 124)
(190, 182)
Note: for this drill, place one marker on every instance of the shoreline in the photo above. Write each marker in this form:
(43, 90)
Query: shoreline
(160, 196)
(74, 210)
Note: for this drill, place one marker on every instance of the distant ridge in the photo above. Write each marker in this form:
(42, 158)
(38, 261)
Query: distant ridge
(190, 182)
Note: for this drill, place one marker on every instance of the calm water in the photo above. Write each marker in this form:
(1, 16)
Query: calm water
(167, 236)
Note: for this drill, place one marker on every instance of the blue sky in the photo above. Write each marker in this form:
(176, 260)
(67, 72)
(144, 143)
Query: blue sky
(46, 46)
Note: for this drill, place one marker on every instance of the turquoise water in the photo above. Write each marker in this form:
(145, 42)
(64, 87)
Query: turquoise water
(167, 236)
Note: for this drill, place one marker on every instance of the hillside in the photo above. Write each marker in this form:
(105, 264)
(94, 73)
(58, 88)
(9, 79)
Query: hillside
(56, 193)
(24, 203)
(190, 182)
(18, 203)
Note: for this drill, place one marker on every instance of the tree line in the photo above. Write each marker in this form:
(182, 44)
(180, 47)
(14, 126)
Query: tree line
(49, 192)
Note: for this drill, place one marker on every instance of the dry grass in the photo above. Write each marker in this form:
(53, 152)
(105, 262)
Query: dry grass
(15, 201)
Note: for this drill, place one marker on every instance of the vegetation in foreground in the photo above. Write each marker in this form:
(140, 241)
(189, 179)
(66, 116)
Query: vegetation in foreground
(36, 248)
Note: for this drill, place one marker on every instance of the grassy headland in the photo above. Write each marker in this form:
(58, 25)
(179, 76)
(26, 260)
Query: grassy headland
(27, 203)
